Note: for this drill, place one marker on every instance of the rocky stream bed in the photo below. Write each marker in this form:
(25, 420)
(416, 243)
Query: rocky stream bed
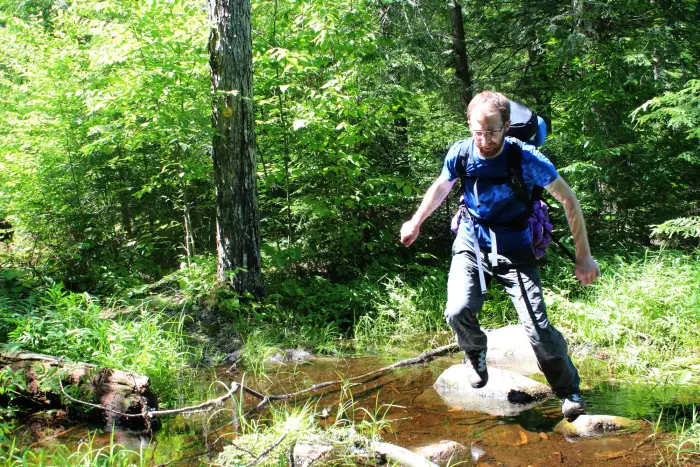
(514, 420)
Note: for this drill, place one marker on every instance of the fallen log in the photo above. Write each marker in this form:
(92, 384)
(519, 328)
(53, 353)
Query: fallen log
(115, 393)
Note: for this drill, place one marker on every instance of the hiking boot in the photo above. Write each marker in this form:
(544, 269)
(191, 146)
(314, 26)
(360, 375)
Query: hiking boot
(572, 406)
(480, 376)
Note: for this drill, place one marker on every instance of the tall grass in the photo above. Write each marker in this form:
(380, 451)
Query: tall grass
(407, 311)
(642, 316)
(75, 327)
(399, 312)
(687, 444)
(86, 454)
(350, 429)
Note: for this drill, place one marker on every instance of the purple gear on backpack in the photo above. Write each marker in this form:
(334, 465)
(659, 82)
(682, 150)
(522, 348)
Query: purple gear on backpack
(540, 228)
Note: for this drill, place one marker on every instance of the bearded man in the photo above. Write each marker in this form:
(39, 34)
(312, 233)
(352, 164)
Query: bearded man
(492, 242)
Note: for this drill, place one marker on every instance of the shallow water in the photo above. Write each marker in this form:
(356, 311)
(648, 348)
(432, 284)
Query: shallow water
(419, 417)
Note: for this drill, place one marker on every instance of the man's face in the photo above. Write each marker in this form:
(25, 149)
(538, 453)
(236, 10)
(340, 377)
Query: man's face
(488, 130)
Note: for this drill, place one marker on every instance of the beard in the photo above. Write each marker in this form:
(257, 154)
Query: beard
(491, 149)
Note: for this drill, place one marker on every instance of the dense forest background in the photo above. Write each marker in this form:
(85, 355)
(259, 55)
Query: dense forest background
(108, 248)
(105, 148)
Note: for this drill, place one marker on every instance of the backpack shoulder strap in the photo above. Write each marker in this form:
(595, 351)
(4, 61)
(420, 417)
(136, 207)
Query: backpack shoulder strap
(463, 158)
(515, 172)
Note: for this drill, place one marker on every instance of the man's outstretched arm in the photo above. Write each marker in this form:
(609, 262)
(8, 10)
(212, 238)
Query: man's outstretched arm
(432, 199)
(586, 267)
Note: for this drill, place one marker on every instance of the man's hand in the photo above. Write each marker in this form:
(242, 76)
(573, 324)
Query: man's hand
(409, 232)
(432, 199)
(586, 270)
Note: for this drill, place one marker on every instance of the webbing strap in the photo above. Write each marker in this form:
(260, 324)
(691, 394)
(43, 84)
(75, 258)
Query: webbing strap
(494, 250)
(477, 252)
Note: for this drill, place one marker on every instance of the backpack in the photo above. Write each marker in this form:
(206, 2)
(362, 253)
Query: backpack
(525, 126)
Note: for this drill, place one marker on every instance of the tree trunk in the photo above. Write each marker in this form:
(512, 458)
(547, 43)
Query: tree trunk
(285, 136)
(237, 217)
(459, 46)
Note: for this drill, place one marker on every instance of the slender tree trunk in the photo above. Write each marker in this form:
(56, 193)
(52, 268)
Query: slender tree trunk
(237, 217)
(285, 136)
(459, 46)
(189, 234)
(656, 64)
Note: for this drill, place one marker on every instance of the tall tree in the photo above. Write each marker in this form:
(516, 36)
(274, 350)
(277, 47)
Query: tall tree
(237, 217)
(459, 47)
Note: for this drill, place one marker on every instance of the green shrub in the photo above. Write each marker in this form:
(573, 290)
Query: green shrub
(74, 326)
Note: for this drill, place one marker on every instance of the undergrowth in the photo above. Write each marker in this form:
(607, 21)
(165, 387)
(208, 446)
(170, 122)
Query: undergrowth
(686, 447)
(76, 327)
(269, 442)
(86, 454)
(640, 317)
(639, 321)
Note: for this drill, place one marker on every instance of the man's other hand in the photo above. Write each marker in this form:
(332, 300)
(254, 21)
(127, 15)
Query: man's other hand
(409, 232)
(586, 270)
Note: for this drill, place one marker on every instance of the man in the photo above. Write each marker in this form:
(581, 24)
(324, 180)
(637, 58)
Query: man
(491, 211)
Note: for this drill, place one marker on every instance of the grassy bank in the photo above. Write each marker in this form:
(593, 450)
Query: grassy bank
(77, 327)
(85, 454)
(639, 321)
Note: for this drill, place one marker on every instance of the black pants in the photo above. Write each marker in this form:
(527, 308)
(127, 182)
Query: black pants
(522, 283)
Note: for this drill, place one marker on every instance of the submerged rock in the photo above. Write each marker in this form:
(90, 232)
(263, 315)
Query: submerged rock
(443, 453)
(508, 435)
(509, 347)
(506, 394)
(477, 452)
(594, 425)
(291, 356)
(311, 450)
(399, 456)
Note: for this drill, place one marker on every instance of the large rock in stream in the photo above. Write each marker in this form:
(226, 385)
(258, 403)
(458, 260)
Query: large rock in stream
(444, 453)
(506, 394)
(290, 356)
(509, 347)
(594, 425)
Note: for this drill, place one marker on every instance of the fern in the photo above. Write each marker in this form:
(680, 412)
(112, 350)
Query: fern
(687, 227)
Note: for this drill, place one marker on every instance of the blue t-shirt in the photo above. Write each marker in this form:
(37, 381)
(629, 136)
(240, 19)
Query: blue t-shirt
(497, 202)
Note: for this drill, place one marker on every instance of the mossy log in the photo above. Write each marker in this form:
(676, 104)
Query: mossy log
(115, 391)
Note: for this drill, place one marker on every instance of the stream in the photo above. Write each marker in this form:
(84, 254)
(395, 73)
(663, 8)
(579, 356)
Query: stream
(418, 416)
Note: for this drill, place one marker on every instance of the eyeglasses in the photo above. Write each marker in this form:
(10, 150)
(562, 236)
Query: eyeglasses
(488, 134)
